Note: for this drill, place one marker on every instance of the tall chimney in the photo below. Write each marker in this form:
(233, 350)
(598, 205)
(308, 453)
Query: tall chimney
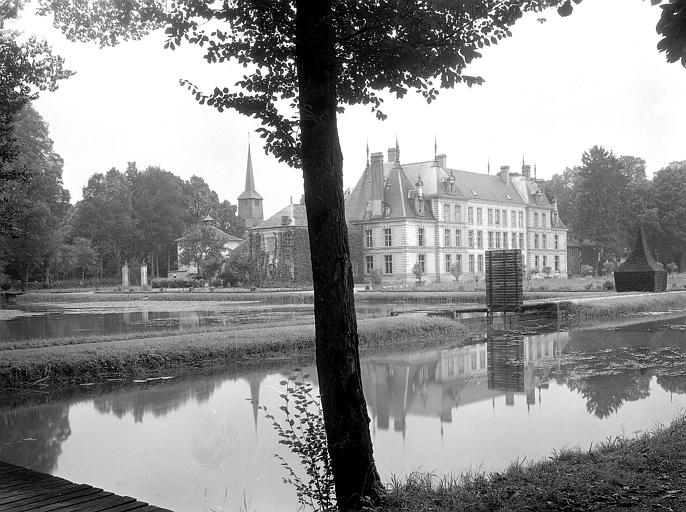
(526, 172)
(505, 173)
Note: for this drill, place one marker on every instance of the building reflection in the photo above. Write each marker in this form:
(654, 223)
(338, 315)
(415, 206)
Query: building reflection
(435, 383)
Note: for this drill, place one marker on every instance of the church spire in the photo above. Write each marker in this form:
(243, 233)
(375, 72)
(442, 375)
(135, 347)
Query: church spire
(250, 202)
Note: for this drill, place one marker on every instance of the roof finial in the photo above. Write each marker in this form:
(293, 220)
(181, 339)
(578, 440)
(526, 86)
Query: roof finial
(523, 162)
(367, 150)
(489, 164)
(397, 148)
(435, 148)
(535, 176)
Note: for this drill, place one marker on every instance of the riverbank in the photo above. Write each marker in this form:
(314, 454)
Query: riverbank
(89, 360)
(644, 473)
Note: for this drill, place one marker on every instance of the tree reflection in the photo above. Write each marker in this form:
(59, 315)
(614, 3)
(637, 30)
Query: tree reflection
(605, 394)
(33, 436)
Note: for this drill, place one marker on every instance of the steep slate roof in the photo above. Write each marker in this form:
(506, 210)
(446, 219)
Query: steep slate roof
(532, 188)
(249, 192)
(396, 196)
(294, 211)
(489, 188)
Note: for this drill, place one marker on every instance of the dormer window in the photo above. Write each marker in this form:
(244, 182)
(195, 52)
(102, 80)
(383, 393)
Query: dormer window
(386, 211)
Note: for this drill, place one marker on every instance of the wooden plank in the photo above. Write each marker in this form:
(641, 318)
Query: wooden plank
(59, 497)
(69, 504)
(134, 506)
(25, 490)
(103, 503)
(33, 487)
(40, 494)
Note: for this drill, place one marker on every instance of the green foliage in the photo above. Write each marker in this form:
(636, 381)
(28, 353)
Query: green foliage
(417, 271)
(456, 271)
(5, 282)
(202, 245)
(33, 206)
(609, 267)
(587, 270)
(160, 282)
(672, 268)
(301, 430)
(547, 270)
(375, 277)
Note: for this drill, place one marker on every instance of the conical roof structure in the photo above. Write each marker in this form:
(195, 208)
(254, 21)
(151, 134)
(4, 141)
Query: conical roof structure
(249, 192)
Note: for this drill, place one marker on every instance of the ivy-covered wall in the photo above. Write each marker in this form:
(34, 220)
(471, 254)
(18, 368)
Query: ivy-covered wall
(356, 241)
(285, 259)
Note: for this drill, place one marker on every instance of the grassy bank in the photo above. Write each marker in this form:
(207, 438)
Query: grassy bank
(645, 473)
(128, 357)
(608, 307)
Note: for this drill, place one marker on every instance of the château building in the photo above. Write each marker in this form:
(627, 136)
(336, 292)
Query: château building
(428, 214)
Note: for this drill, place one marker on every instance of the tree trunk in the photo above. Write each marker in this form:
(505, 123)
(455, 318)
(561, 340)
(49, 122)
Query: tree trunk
(338, 364)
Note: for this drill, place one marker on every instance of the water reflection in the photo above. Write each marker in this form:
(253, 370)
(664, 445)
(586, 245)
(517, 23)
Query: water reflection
(33, 436)
(187, 445)
(437, 382)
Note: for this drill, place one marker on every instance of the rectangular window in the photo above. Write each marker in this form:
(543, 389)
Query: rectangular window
(521, 219)
(472, 358)
(521, 241)
(471, 263)
(505, 218)
(514, 240)
(458, 238)
(497, 217)
(536, 241)
(557, 263)
(497, 239)
(458, 213)
(490, 216)
(535, 219)
(544, 241)
(545, 261)
(470, 215)
(490, 239)
(421, 259)
(420, 236)
(513, 219)
(369, 260)
(557, 241)
(470, 239)
(368, 237)
(388, 263)
(479, 216)
(536, 262)
(543, 217)
(479, 239)
(458, 262)
(504, 240)
(387, 237)
(447, 262)
(446, 212)
(480, 259)
(446, 237)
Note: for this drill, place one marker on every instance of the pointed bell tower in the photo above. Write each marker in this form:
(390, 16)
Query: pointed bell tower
(250, 202)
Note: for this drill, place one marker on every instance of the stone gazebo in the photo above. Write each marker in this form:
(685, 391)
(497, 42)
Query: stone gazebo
(640, 272)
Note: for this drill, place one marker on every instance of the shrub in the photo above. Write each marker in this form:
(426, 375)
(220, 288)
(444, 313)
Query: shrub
(609, 267)
(672, 268)
(547, 271)
(417, 271)
(375, 277)
(588, 286)
(161, 282)
(609, 284)
(5, 282)
(302, 431)
(586, 270)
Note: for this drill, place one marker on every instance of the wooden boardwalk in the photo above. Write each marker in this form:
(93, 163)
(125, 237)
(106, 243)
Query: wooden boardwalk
(23, 490)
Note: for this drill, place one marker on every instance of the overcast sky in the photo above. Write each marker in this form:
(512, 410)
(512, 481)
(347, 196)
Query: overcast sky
(551, 92)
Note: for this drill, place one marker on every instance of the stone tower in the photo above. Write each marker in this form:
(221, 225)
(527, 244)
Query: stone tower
(250, 202)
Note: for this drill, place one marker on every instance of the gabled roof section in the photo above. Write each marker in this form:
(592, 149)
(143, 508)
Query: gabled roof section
(397, 194)
(294, 213)
(535, 195)
(249, 192)
(218, 233)
(356, 203)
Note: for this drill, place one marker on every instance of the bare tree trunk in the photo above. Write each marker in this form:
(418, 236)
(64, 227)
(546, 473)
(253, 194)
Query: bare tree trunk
(338, 364)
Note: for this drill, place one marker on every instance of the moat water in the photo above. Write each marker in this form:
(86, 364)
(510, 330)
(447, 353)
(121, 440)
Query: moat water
(193, 444)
